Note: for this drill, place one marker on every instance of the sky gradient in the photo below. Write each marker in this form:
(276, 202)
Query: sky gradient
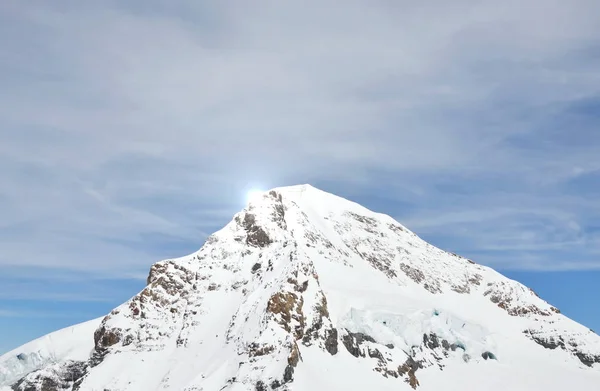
(129, 131)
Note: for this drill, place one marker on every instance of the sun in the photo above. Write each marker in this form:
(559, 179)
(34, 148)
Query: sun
(254, 195)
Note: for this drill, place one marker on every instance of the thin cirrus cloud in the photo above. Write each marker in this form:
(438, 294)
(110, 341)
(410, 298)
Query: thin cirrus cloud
(129, 132)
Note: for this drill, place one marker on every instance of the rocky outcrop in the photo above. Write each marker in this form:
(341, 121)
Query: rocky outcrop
(321, 329)
(588, 359)
(354, 343)
(57, 377)
(306, 325)
(409, 369)
(255, 234)
(516, 300)
(287, 309)
(390, 361)
(105, 338)
(554, 341)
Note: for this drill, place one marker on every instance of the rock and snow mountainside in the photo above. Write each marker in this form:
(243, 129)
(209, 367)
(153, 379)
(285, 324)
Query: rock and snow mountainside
(71, 344)
(304, 290)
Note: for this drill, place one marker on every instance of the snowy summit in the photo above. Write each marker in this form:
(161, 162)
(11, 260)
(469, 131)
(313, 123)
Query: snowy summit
(304, 290)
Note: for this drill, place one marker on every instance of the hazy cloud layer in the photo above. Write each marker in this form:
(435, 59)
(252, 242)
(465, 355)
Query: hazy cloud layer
(128, 132)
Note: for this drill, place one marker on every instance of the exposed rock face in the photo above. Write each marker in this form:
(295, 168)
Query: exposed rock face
(552, 340)
(300, 278)
(409, 369)
(354, 341)
(513, 299)
(588, 359)
(256, 236)
(392, 362)
(58, 377)
(104, 338)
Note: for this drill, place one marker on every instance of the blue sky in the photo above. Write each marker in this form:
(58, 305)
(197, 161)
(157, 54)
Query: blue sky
(129, 132)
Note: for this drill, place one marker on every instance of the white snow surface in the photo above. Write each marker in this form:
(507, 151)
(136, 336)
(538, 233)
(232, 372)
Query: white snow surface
(71, 343)
(304, 290)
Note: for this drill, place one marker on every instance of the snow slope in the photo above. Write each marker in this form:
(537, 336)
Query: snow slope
(304, 290)
(71, 343)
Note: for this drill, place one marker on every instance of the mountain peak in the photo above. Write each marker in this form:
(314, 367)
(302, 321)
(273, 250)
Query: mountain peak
(306, 195)
(302, 280)
(298, 189)
(316, 203)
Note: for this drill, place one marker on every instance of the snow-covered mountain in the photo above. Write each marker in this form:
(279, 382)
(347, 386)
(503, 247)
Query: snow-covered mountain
(304, 290)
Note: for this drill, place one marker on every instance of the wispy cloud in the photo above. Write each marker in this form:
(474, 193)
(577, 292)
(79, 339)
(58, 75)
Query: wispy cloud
(130, 131)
